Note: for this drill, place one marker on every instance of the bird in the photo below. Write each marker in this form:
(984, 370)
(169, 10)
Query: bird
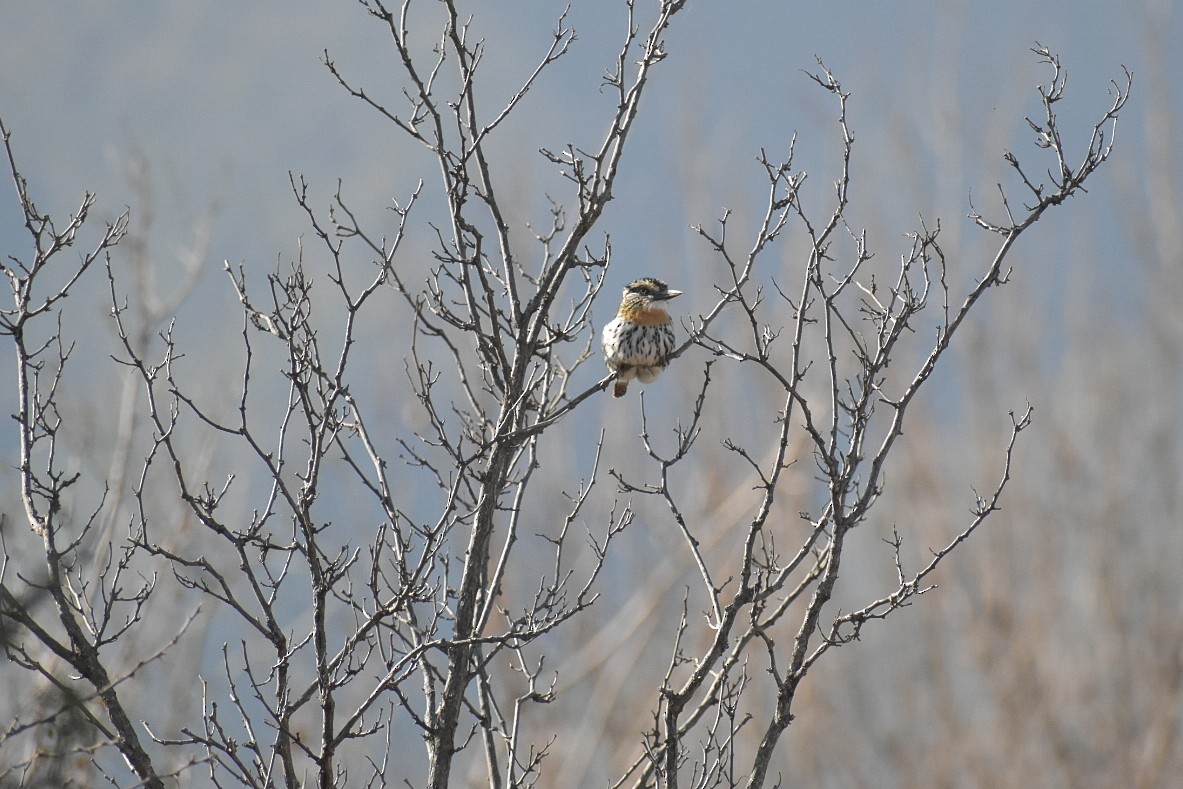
(640, 339)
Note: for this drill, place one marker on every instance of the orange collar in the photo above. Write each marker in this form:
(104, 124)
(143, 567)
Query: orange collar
(652, 316)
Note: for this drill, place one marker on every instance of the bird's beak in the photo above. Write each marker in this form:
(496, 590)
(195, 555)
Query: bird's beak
(669, 294)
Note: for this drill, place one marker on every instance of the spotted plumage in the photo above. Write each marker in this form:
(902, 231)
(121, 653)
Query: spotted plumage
(639, 340)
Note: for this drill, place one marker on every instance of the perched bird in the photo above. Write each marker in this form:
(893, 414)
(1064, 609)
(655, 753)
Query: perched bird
(639, 340)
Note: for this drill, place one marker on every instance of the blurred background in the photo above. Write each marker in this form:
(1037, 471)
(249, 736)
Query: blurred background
(1052, 652)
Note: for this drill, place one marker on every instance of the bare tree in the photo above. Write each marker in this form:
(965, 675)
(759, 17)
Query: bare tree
(846, 329)
(336, 648)
(70, 616)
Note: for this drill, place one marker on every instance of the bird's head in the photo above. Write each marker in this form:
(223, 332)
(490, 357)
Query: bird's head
(649, 289)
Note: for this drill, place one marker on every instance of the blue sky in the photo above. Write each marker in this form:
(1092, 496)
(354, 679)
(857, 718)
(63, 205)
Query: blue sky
(225, 98)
